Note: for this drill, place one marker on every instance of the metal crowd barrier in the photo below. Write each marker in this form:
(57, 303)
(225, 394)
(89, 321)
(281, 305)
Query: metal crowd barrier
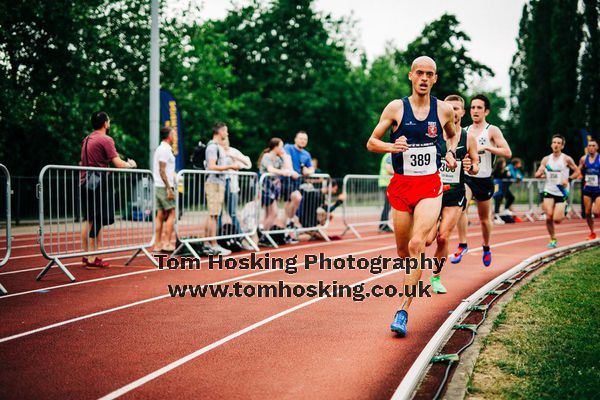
(293, 206)
(5, 241)
(86, 211)
(237, 203)
(366, 203)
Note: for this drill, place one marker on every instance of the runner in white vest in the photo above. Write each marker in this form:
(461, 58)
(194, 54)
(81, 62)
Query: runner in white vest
(555, 168)
(490, 143)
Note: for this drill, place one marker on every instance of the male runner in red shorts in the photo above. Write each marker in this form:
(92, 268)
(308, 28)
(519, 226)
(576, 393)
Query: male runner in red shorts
(415, 191)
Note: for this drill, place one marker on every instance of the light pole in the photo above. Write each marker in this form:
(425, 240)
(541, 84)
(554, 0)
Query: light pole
(154, 81)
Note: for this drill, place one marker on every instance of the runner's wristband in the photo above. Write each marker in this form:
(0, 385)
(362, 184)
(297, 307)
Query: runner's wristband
(452, 152)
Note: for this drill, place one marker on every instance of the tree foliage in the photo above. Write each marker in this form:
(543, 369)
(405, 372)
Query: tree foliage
(267, 69)
(554, 88)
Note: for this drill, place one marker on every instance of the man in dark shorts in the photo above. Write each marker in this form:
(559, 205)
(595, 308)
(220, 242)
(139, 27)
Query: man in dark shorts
(454, 198)
(490, 143)
(98, 150)
(555, 168)
(415, 191)
(314, 208)
(589, 167)
(302, 164)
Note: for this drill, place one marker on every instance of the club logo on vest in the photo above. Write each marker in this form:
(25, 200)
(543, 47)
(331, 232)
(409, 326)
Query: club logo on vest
(431, 129)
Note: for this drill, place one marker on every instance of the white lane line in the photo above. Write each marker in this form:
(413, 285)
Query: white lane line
(150, 270)
(110, 310)
(275, 250)
(205, 349)
(169, 367)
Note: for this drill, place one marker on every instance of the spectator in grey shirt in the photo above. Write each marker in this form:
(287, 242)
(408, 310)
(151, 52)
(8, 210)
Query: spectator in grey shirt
(214, 187)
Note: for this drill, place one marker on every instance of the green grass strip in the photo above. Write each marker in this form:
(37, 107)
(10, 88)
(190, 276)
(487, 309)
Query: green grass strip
(545, 344)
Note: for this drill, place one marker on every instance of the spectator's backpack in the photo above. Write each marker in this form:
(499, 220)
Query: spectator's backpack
(198, 156)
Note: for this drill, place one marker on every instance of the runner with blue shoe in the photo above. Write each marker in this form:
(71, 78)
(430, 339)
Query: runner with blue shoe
(415, 191)
(454, 199)
(490, 143)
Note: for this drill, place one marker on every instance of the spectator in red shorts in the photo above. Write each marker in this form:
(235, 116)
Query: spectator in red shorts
(98, 150)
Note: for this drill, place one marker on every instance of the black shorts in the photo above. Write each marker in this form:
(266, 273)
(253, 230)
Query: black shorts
(288, 186)
(557, 199)
(454, 197)
(482, 188)
(591, 195)
(97, 206)
(271, 191)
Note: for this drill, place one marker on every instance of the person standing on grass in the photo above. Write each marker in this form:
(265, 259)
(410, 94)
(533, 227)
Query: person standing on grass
(555, 168)
(163, 170)
(98, 150)
(415, 191)
(589, 168)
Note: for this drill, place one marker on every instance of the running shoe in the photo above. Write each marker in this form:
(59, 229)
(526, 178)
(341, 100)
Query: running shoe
(290, 240)
(592, 236)
(553, 243)
(221, 250)
(517, 219)
(487, 258)
(98, 263)
(399, 324)
(437, 286)
(456, 257)
(385, 228)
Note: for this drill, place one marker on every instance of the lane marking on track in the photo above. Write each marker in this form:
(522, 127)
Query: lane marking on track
(171, 366)
(164, 296)
(514, 230)
(140, 302)
(153, 269)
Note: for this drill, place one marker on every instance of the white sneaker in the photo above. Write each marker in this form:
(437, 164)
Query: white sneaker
(246, 246)
(221, 250)
(498, 220)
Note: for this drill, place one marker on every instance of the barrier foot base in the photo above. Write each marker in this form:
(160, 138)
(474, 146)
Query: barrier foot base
(252, 243)
(150, 256)
(353, 230)
(133, 256)
(59, 265)
(3, 291)
(324, 235)
(270, 239)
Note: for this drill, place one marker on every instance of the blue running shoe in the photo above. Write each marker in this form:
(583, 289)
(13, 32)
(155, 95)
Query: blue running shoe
(487, 258)
(456, 257)
(399, 324)
(553, 243)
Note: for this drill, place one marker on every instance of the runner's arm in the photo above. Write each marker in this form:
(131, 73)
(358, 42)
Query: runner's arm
(540, 171)
(386, 121)
(472, 155)
(501, 148)
(571, 164)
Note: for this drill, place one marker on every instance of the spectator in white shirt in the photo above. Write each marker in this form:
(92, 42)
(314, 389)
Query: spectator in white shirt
(163, 168)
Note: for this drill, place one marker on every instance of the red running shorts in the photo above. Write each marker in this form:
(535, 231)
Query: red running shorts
(404, 192)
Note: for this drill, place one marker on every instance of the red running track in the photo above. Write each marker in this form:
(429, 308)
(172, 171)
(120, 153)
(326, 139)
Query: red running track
(117, 332)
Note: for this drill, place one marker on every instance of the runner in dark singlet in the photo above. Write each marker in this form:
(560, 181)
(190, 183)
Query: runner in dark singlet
(454, 199)
(415, 189)
(589, 167)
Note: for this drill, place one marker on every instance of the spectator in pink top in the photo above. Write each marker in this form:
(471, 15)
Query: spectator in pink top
(98, 150)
